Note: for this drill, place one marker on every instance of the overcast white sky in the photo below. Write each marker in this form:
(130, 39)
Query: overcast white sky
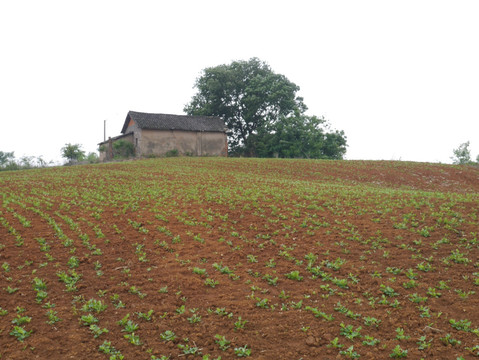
(401, 78)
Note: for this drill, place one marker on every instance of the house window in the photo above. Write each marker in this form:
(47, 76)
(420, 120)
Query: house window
(136, 142)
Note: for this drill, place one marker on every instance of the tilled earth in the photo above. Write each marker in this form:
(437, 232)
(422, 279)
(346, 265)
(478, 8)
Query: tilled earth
(267, 259)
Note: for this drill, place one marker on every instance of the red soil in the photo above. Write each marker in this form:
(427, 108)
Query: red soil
(156, 221)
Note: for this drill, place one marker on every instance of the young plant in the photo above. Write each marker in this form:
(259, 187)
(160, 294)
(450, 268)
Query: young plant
(199, 271)
(349, 332)
(97, 331)
(20, 333)
(240, 324)
(106, 348)
(371, 321)
(168, 335)
(73, 262)
(400, 334)
(88, 320)
(20, 320)
(335, 343)
(189, 350)
(464, 325)
(133, 339)
(449, 340)
(94, 305)
(145, 316)
(130, 327)
(350, 353)
(370, 341)
(211, 282)
(388, 291)
(223, 343)
(294, 275)
(195, 318)
(423, 344)
(242, 351)
(52, 317)
(398, 352)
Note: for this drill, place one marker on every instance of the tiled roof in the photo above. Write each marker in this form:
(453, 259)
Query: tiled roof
(174, 122)
(116, 138)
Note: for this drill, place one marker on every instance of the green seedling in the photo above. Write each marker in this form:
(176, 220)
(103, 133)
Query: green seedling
(133, 339)
(211, 282)
(20, 333)
(349, 332)
(240, 323)
(400, 334)
(88, 320)
(223, 343)
(242, 351)
(108, 349)
(52, 317)
(94, 305)
(449, 340)
(294, 275)
(350, 353)
(20, 320)
(423, 344)
(145, 316)
(370, 341)
(398, 352)
(189, 350)
(464, 325)
(335, 343)
(130, 327)
(168, 335)
(97, 331)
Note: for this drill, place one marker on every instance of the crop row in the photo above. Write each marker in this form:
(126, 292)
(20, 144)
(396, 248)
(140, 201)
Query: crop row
(175, 257)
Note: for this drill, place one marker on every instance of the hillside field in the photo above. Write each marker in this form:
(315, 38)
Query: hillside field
(209, 258)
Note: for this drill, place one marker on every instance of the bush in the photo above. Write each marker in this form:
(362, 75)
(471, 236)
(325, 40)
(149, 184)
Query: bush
(123, 149)
(172, 153)
(92, 158)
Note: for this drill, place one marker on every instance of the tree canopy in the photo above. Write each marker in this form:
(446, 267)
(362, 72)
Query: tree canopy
(73, 152)
(462, 155)
(263, 113)
(5, 157)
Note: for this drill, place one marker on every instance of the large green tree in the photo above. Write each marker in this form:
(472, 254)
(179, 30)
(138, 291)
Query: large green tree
(263, 113)
(302, 136)
(247, 95)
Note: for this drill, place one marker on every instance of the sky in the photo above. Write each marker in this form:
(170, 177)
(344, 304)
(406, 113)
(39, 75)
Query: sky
(401, 78)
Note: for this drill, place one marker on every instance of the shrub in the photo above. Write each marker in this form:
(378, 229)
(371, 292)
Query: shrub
(172, 153)
(92, 158)
(123, 149)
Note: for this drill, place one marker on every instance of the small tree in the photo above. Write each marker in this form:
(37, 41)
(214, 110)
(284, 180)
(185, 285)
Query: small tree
(462, 155)
(26, 162)
(92, 158)
(5, 157)
(73, 152)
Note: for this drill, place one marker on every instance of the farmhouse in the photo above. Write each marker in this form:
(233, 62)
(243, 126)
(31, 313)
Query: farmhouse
(160, 134)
